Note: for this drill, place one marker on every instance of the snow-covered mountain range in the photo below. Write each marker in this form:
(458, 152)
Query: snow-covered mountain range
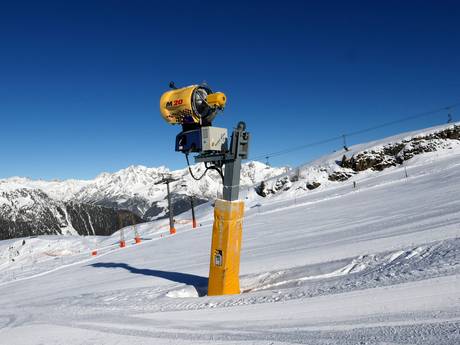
(111, 200)
(135, 194)
(26, 212)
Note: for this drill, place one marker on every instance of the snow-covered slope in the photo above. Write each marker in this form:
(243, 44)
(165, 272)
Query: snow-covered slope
(362, 160)
(374, 264)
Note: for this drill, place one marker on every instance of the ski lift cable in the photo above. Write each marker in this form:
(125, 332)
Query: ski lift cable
(296, 148)
(361, 131)
(404, 119)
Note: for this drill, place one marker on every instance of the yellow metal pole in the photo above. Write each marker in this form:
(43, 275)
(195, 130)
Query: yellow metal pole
(227, 231)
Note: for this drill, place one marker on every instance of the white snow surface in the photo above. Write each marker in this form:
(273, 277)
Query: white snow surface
(376, 264)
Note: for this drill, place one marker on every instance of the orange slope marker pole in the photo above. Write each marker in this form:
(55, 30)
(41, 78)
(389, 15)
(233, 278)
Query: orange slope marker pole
(122, 239)
(137, 237)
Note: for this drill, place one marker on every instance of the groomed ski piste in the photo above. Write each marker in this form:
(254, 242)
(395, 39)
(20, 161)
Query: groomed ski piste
(375, 264)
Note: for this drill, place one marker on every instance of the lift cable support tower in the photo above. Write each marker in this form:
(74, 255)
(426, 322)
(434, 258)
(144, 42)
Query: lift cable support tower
(192, 206)
(167, 179)
(195, 107)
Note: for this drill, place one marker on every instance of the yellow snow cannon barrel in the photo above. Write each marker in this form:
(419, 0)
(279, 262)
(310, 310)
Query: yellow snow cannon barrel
(195, 104)
(217, 100)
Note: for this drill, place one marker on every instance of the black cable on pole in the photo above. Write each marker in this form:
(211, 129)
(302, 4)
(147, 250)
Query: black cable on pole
(191, 172)
(211, 167)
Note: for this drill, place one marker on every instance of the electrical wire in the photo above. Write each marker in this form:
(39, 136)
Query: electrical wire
(219, 171)
(217, 168)
(191, 172)
(361, 131)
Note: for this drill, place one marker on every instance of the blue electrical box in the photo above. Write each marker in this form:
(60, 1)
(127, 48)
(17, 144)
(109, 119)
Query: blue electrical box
(189, 141)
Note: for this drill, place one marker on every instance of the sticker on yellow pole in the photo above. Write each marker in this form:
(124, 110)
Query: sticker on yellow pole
(224, 267)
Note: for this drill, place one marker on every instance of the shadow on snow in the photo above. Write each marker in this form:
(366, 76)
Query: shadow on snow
(198, 282)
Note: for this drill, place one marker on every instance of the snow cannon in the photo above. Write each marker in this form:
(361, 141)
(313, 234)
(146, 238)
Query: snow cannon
(194, 105)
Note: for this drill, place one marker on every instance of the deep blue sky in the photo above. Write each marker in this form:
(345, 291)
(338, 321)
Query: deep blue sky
(80, 81)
